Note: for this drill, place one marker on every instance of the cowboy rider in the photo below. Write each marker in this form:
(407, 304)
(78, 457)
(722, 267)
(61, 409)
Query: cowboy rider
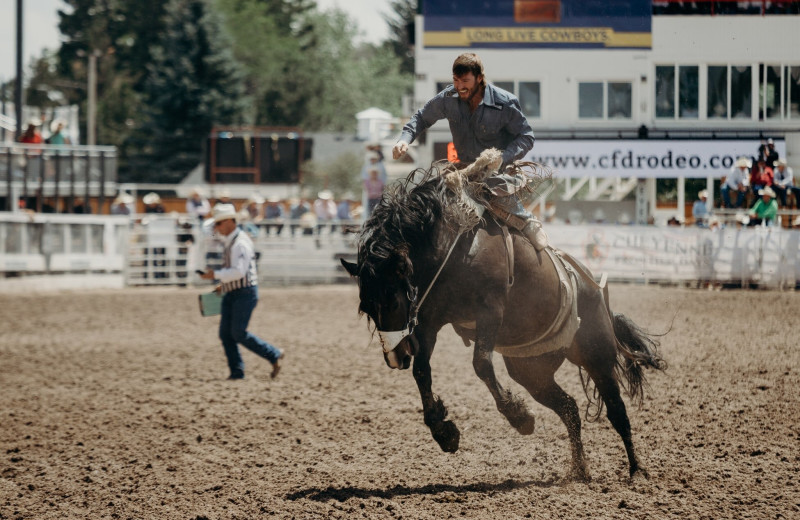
(482, 116)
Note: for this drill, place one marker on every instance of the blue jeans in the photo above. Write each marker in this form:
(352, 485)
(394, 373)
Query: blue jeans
(726, 198)
(237, 306)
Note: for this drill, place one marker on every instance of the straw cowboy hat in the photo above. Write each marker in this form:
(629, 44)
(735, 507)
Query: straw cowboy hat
(766, 192)
(256, 199)
(780, 162)
(151, 198)
(124, 198)
(325, 195)
(703, 194)
(744, 162)
(34, 121)
(224, 212)
(56, 122)
(273, 198)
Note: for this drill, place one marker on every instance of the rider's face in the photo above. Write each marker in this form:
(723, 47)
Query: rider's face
(467, 85)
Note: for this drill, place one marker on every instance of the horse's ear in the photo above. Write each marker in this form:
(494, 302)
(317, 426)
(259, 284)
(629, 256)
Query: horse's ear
(350, 267)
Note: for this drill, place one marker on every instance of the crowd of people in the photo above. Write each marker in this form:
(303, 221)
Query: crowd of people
(761, 185)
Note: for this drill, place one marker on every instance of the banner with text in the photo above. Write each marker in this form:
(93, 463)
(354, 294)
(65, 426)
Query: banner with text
(767, 256)
(644, 158)
(538, 23)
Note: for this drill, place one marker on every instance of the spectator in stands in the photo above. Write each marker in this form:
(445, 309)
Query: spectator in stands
(344, 213)
(152, 203)
(768, 152)
(765, 210)
(761, 177)
(784, 183)
(374, 161)
(79, 206)
(250, 214)
(738, 181)
(197, 204)
(124, 204)
(297, 208)
(224, 197)
(274, 214)
(57, 127)
(238, 282)
(324, 210)
(700, 209)
(373, 186)
(32, 135)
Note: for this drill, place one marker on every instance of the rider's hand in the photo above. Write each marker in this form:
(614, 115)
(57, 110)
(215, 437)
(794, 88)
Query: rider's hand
(399, 149)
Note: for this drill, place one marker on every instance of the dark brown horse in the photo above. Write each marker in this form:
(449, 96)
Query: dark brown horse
(423, 264)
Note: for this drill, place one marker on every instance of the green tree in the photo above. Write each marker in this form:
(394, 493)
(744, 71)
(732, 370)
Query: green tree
(192, 84)
(401, 29)
(119, 33)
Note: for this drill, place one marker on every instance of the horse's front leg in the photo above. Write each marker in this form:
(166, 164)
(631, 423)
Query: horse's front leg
(444, 432)
(511, 406)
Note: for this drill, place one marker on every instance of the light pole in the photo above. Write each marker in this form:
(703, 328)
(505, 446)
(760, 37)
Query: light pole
(18, 83)
(91, 109)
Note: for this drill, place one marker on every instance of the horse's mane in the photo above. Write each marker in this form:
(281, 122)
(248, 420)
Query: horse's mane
(407, 213)
(410, 209)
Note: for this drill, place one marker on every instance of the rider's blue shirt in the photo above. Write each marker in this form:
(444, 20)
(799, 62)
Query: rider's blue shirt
(498, 122)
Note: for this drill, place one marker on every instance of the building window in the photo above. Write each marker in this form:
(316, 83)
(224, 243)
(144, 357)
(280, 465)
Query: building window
(685, 97)
(530, 98)
(590, 100)
(619, 100)
(717, 92)
(688, 85)
(741, 92)
(769, 91)
(610, 100)
(508, 86)
(665, 91)
(791, 94)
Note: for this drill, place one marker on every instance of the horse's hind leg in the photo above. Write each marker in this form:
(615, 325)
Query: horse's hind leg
(608, 386)
(536, 375)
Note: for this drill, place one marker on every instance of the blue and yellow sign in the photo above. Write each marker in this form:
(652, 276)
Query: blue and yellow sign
(555, 24)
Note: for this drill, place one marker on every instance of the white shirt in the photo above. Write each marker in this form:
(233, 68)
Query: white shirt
(242, 254)
(785, 177)
(736, 177)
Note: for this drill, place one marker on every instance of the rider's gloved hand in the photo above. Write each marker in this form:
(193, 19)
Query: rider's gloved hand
(399, 149)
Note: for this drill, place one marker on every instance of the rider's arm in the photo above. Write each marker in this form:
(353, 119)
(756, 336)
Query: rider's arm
(423, 118)
(517, 125)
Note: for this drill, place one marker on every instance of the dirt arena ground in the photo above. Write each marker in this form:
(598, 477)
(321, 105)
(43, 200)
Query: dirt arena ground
(115, 405)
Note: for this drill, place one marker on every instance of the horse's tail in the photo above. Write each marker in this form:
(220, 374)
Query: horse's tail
(636, 349)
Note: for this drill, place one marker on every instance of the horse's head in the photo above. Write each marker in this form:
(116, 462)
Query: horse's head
(389, 299)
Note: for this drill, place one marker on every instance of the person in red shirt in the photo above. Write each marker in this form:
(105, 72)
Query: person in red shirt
(761, 177)
(32, 135)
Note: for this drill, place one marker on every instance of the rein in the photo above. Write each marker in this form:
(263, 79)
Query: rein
(390, 339)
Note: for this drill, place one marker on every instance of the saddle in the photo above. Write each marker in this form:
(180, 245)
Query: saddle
(562, 329)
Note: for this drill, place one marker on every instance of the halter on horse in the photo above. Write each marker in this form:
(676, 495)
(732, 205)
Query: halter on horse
(423, 236)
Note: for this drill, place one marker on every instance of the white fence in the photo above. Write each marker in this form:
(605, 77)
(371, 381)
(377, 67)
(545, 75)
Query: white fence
(166, 250)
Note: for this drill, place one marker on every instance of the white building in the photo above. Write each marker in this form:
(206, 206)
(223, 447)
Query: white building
(594, 78)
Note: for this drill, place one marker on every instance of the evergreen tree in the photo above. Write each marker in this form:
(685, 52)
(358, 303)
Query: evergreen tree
(401, 28)
(193, 83)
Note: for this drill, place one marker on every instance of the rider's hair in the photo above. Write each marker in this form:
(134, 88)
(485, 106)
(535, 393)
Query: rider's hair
(468, 62)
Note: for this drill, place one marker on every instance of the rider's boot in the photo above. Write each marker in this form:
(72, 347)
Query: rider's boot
(535, 234)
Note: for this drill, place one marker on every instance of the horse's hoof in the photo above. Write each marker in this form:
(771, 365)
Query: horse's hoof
(527, 425)
(446, 434)
(639, 475)
(579, 474)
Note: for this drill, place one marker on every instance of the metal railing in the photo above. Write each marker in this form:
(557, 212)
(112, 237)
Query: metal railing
(37, 171)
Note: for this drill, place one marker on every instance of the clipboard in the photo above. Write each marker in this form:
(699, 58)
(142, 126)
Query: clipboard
(210, 304)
